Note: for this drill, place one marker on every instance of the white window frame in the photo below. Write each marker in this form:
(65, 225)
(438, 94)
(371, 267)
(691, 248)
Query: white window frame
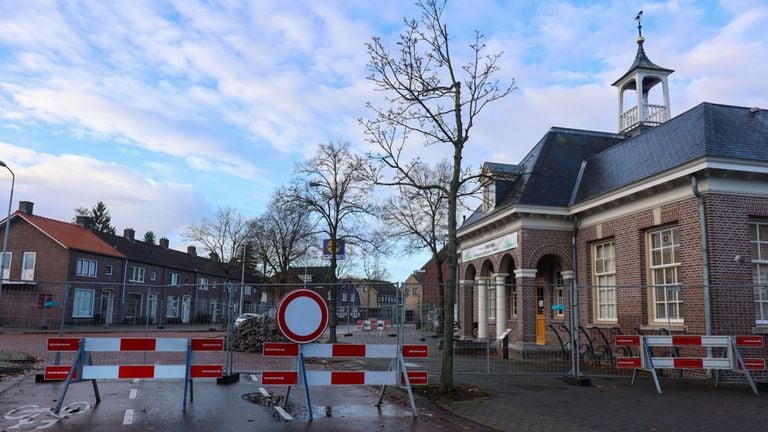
(489, 196)
(24, 261)
(136, 274)
(664, 276)
(108, 270)
(82, 310)
(759, 244)
(174, 279)
(7, 266)
(203, 283)
(153, 276)
(491, 301)
(604, 279)
(172, 307)
(559, 296)
(87, 267)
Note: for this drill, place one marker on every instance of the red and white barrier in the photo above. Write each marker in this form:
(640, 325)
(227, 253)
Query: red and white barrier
(282, 349)
(729, 345)
(315, 378)
(83, 369)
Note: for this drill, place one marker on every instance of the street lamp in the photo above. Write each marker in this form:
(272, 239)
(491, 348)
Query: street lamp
(7, 226)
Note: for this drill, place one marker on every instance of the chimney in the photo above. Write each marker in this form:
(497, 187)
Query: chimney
(192, 250)
(129, 233)
(26, 207)
(164, 242)
(84, 221)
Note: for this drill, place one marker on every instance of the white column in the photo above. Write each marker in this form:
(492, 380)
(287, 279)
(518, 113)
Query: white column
(482, 308)
(640, 103)
(665, 88)
(501, 302)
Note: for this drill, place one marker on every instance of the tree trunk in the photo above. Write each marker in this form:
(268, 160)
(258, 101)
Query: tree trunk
(334, 295)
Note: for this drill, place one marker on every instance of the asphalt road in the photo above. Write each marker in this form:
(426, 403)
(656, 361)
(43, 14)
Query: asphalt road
(145, 405)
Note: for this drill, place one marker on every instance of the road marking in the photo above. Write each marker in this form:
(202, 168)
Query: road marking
(133, 394)
(135, 380)
(128, 418)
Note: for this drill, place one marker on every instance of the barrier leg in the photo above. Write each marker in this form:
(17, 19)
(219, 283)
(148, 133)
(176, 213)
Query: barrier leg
(304, 377)
(384, 387)
(70, 375)
(288, 389)
(740, 360)
(649, 359)
(93, 382)
(407, 383)
(186, 375)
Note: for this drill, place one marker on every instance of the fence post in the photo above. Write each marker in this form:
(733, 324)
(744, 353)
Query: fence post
(63, 317)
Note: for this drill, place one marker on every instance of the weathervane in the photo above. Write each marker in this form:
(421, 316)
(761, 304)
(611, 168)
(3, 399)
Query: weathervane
(639, 19)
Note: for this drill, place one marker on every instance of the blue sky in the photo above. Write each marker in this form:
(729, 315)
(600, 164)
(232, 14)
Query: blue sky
(166, 110)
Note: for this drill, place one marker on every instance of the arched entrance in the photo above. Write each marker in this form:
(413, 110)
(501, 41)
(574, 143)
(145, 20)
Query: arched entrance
(467, 299)
(549, 292)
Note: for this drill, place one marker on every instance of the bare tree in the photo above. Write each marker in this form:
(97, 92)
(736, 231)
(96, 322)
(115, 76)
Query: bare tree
(333, 185)
(418, 217)
(430, 98)
(283, 234)
(221, 237)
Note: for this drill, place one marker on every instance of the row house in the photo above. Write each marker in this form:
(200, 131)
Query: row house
(107, 279)
(662, 226)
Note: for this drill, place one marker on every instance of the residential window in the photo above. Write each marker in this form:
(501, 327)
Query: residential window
(7, 265)
(203, 282)
(153, 276)
(343, 297)
(83, 303)
(489, 197)
(86, 267)
(605, 281)
(28, 266)
(136, 274)
(513, 300)
(759, 240)
(664, 263)
(108, 270)
(174, 278)
(172, 310)
(559, 312)
(405, 292)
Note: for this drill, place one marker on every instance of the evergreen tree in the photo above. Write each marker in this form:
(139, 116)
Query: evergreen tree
(149, 237)
(101, 219)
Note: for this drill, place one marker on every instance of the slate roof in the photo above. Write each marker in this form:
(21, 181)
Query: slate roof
(156, 255)
(552, 169)
(707, 130)
(642, 62)
(69, 235)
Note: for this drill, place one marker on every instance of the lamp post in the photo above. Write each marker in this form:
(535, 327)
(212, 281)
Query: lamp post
(7, 226)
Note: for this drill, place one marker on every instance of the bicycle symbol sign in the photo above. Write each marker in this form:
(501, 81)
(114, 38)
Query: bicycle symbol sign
(37, 417)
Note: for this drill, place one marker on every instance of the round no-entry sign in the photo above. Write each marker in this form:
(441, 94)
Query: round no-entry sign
(302, 316)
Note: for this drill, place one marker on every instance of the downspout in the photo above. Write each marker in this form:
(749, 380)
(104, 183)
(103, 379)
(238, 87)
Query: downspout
(125, 281)
(704, 254)
(575, 304)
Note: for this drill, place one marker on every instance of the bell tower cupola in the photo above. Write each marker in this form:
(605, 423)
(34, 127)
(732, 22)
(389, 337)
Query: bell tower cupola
(643, 76)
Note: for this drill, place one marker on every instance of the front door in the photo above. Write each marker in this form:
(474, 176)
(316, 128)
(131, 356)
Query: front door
(107, 305)
(541, 323)
(186, 303)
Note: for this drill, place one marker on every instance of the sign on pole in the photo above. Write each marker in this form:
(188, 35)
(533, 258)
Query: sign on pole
(302, 316)
(331, 247)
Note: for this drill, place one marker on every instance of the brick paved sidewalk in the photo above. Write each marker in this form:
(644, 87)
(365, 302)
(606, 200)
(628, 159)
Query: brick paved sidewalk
(546, 403)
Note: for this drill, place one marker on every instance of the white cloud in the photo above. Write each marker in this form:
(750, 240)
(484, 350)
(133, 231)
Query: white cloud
(58, 184)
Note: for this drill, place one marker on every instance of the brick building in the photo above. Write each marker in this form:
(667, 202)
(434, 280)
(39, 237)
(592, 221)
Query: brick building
(663, 225)
(112, 279)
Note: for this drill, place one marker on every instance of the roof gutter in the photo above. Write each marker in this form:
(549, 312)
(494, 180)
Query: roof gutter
(704, 254)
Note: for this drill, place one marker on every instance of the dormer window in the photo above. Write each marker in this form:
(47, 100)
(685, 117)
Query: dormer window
(489, 196)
